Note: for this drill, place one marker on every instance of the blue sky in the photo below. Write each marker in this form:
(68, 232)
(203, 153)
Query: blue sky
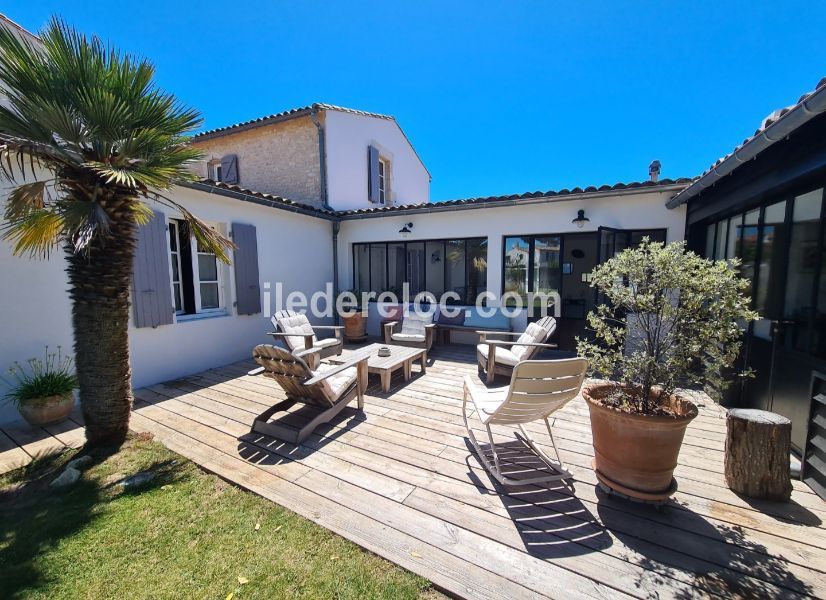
(497, 97)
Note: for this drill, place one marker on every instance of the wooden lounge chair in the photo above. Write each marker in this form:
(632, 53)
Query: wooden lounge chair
(537, 389)
(499, 357)
(330, 388)
(416, 329)
(300, 336)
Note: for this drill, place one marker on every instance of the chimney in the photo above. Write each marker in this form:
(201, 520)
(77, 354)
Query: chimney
(654, 170)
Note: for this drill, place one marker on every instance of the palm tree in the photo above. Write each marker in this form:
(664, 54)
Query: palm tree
(88, 141)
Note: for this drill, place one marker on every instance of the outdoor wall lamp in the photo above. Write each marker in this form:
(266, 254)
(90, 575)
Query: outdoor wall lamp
(406, 230)
(581, 219)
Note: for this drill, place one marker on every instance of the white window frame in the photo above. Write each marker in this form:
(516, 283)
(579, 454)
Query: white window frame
(175, 261)
(215, 173)
(384, 169)
(196, 279)
(175, 223)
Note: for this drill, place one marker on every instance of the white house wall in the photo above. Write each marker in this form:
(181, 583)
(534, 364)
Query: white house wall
(293, 249)
(627, 211)
(347, 139)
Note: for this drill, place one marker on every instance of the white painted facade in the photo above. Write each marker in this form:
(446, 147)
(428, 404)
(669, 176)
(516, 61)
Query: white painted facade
(293, 249)
(347, 138)
(618, 209)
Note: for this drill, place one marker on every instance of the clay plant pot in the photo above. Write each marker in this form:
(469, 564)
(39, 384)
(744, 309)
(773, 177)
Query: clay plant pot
(48, 410)
(636, 454)
(355, 326)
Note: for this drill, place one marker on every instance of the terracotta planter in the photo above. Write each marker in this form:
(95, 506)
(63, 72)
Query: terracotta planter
(355, 326)
(44, 411)
(635, 454)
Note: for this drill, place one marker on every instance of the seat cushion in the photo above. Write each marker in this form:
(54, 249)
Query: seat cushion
(408, 337)
(298, 325)
(496, 320)
(503, 355)
(533, 334)
(414, 322)
(326, 342)
(336, 384)
(450, 318)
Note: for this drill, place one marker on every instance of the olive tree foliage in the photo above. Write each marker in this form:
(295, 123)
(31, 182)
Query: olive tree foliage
(671, 319)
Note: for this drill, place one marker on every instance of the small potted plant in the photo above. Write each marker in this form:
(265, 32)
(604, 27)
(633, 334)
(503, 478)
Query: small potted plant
(671, 320)
(43, 389)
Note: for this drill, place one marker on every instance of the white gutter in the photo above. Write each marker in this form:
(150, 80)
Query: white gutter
(798, 116)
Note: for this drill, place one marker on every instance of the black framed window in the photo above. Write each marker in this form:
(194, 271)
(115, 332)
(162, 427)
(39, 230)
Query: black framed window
(435, 266)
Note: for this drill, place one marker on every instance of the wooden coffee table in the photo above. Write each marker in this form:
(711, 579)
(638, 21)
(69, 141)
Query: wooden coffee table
(401, 357)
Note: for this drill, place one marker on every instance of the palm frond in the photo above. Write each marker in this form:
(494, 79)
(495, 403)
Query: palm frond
(203, 233)
(35, 234)
(25, 199)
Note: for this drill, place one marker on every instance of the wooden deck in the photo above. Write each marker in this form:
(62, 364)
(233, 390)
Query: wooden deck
(400, 480)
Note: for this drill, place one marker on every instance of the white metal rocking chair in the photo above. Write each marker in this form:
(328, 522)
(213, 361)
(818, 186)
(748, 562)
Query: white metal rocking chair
(536, 390)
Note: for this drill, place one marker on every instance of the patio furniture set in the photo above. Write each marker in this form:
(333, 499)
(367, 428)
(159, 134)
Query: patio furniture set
(537, 388)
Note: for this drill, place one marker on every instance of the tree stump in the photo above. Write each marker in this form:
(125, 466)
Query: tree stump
(758, 446)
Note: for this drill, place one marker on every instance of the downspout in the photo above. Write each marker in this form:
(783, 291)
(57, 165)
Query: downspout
(336, 227)
(322, 157)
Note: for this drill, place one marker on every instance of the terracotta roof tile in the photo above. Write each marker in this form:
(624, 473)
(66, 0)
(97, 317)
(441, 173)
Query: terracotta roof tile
(285, 115)
(511, 197)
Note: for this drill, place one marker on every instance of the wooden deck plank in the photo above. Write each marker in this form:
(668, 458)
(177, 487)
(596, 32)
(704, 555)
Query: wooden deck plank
(443, 569)
(735, 515)
(404, 466)
(12, 456)
(704, 549)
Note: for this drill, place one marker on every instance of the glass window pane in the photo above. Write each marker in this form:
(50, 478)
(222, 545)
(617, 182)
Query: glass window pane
(710, 240)
(361, 278)
(769, 281)
(722, 230)
(435, 268)
(455, 280)
(209, 295)
(175, 274)
(733, 227)
(176, 290)
(207, 267)
(396, 268)
(802, 269)
(415, 267)
(546, 266)
(747, 251)
(378, 267)
(477, 283)
(173, 237)
(516, 265)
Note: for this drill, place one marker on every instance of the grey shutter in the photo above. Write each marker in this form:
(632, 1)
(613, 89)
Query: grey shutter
(229, 168)
(373, 174)
(245, 259)
(151, 280)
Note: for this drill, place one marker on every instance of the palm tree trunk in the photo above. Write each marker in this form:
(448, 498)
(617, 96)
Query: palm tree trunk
(99, 289)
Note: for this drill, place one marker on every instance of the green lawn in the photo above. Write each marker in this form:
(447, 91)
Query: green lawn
(186, 534)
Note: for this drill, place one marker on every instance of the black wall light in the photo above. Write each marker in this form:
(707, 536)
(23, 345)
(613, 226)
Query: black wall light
(581, 219)
(406, 230)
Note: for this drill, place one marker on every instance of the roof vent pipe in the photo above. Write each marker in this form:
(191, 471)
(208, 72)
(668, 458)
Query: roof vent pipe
(654, 170)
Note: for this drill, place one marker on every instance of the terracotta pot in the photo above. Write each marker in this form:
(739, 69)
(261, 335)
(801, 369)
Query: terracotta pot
(636, 454)
(355, 326)
(44, 411)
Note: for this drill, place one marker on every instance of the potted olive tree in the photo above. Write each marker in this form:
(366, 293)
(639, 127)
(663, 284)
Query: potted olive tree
(43, 389)
(671, 320)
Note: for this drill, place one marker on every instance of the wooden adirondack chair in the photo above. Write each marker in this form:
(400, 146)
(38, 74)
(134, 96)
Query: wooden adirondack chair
(330, 388)
(498, 357)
